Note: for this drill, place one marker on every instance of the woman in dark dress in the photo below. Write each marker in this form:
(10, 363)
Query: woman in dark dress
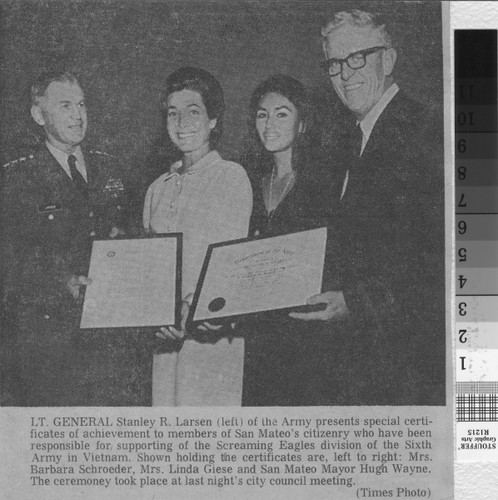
(284, 359)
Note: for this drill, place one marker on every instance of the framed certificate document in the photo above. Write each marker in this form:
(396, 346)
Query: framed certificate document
(249, 276)
(135, 283)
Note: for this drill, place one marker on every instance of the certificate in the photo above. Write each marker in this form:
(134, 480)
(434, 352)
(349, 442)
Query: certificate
(249, 276)
(135, 283)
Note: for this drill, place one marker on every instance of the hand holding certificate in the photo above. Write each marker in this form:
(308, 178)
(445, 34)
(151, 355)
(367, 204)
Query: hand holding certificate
(245, 277)
(134, 283)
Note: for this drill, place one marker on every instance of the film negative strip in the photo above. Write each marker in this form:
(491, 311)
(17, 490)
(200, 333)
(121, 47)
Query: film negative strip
(476, 200)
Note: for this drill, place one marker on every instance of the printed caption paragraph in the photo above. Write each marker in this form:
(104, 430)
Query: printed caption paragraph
(259, 452)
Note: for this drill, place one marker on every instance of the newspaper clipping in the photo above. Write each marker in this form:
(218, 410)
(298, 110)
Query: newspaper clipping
(259, 123)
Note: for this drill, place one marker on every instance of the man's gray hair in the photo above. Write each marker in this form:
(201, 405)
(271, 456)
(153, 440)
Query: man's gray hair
(360, 19)
(41, 84)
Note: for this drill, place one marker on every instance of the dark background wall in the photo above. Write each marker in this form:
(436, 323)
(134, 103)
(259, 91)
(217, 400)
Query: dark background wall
(124, 50)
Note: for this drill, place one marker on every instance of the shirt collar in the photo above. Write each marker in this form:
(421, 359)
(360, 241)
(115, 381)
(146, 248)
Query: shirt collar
(367, 124)
(205, 162)
(62, 157)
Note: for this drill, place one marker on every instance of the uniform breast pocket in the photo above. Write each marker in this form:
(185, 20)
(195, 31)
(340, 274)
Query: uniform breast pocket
(52, 219)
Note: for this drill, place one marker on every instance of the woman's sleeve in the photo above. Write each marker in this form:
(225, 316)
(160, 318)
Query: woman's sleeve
(146, 210)
(236, 198)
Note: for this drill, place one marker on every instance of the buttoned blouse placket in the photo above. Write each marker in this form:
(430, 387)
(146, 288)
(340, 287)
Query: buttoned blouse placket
(176, 185)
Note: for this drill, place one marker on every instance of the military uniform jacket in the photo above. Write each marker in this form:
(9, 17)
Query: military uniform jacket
(48, 227)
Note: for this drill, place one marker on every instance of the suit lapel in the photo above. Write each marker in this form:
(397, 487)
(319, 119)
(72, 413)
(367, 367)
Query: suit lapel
(90, 170)
(353, 168)
(389, 125)
(370, 169)
(49, 173)
(54, 172)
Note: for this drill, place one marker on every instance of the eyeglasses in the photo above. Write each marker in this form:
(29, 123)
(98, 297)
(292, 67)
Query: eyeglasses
(355, 61)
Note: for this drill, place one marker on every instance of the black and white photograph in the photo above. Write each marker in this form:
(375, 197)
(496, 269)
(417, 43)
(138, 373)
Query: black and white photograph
(295, 149)
(301, 116)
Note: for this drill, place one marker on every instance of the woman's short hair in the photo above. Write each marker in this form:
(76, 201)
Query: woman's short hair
(208, 87)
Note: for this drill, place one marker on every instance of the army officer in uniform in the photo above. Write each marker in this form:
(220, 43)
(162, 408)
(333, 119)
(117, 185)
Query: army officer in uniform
(56, 200)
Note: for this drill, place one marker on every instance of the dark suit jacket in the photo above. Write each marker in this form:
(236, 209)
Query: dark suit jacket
(387, 256)
(48, 228)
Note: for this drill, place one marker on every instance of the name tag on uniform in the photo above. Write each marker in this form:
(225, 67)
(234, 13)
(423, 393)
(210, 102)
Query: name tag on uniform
(49, 207)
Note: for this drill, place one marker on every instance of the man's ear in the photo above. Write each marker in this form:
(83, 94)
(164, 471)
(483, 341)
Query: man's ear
(37, 115)
(389, 60)
(212, 123)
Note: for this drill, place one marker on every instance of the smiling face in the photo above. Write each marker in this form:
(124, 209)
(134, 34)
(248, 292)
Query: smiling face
(189, 125)
(360, 89)
(277, 122)
(62, 113)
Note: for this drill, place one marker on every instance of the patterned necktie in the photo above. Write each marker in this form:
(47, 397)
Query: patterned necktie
(78, 179)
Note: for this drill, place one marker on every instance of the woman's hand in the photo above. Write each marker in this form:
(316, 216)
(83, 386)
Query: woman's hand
(170, 332)
(209, 327)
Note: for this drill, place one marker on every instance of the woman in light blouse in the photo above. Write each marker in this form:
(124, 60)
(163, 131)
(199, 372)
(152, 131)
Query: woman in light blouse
(209, 200)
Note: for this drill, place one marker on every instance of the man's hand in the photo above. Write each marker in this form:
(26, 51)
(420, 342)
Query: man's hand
(116, 231)
(75, 283)
(336, 307)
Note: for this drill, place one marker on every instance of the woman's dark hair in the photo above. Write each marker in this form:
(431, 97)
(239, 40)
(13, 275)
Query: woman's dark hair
(293, 90)
(203, 82)
(284, 85)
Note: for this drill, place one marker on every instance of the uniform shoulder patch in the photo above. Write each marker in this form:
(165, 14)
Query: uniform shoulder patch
(17, 162)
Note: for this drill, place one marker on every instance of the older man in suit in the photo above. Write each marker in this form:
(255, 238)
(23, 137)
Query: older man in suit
(57, 198)
(385, 295)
